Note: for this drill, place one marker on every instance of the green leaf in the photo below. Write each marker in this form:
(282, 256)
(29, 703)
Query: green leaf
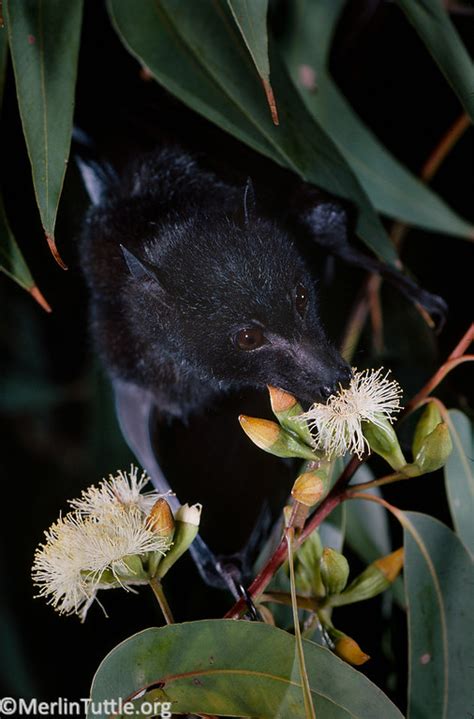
(392, 189)
(459, 477)
(367, 530)
(44, 42)
(433, 24)
(12, 262)
(251, 18)
(3, 61)
(195, 51)
(332, 530)
(236, 668)
(439, 578)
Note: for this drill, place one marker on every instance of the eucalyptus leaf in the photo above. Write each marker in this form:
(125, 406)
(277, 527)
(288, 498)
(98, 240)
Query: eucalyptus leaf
(392, 189)
(195, 51)
(367, 529)
(332, 531)
(439, 576)
(236, 668)
(251, 18)
(433, 24)
(44, 42)
(3, 61)
(459, 477)
(12, 262)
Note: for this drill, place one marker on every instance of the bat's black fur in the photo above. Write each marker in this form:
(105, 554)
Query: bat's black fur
(179, 262)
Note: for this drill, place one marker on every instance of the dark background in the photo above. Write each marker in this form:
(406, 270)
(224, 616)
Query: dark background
(57, 423)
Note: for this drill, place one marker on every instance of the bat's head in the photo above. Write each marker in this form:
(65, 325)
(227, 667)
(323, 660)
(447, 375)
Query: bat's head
(207, 298)
(235, 306)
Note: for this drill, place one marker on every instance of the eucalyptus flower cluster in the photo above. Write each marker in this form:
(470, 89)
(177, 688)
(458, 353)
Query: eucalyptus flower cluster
(356, 420)
(115, 535)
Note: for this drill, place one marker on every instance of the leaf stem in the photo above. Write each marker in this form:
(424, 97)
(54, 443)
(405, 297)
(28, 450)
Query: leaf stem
(388, 479)
(309, 603)
(438, 377)
(308, 701)
(157, 588)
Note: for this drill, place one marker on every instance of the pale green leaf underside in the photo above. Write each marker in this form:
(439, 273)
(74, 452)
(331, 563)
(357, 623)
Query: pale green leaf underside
(459, 477)
(237, 668)
(439, 578)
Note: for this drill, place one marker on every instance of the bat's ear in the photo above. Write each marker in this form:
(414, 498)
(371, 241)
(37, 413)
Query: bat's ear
(97, 175)
(140, 269)
(247, 209)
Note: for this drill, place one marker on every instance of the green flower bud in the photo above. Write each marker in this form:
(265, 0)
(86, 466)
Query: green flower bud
(375, 579)
(307, 573)
(435, 449)
(287, 410)
(186, 528)
(429, 419)
(334, 570)
(270, 437)
(383, 441)
(133, 570)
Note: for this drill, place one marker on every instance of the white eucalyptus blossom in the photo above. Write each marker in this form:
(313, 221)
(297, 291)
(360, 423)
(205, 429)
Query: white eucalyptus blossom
(98, 545)
(337, 425)
(125, 488)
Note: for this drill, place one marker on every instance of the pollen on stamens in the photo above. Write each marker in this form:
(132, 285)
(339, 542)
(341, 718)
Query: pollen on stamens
(98, 545)
(337, 425)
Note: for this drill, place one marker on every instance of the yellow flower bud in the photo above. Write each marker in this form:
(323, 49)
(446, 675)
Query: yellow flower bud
(287, 410)
(160, 519)
(334, 570)
(383, 441)
(391, 565)
(308, 489)
(270, 437)
(347, 648)
(429, 419)
(281, 401)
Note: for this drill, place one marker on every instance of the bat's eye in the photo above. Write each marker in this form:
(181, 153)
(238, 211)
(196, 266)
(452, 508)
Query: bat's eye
(301, 298)
(250, 338)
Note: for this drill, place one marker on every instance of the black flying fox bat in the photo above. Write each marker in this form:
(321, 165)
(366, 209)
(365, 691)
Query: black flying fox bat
(198, 289)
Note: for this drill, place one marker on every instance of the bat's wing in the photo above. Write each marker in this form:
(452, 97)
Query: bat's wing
(136, 415)
(135, 407)
(325, 222)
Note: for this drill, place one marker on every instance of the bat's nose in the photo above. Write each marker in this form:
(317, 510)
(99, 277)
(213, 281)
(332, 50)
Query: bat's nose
(326, 391)
(342, 379)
